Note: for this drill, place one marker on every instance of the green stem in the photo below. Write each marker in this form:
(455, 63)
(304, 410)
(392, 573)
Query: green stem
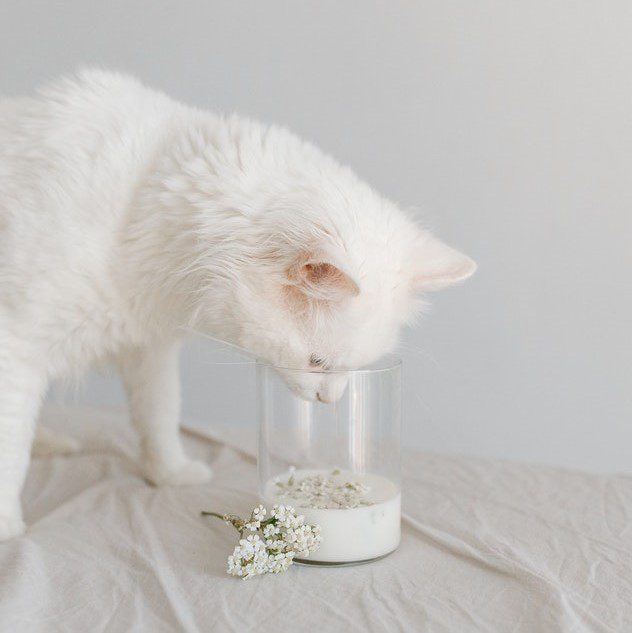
(235, 521)
(204, 513)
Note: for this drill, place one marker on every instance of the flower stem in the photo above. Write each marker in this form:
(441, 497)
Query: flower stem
(235, 521)
(204, 513)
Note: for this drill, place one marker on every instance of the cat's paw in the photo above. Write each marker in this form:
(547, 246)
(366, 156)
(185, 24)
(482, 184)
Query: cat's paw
(189, 473)
(47, 442)
(11, 526)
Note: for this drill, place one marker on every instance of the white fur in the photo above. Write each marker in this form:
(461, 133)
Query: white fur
(126, 218)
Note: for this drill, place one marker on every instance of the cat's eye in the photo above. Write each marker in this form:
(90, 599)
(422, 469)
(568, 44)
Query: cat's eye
(316, 361)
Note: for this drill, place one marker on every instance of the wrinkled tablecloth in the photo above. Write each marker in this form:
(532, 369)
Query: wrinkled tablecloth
(487, 546)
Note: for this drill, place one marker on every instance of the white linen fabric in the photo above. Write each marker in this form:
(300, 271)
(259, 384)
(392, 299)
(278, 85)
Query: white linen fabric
(487, 546)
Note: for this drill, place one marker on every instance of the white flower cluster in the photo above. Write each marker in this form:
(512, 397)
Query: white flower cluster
(322, 491)
(285, 536)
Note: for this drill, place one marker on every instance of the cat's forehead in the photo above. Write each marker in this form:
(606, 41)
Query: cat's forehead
(351, 337)
(374, 239)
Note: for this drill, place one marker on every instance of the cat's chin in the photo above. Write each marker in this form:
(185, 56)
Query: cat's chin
(315, 396)
(316, 387)
(306, 393)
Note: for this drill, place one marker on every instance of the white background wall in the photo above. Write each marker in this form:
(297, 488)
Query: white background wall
(510, 123)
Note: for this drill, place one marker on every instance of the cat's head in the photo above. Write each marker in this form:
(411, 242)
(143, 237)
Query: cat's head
(334, 271)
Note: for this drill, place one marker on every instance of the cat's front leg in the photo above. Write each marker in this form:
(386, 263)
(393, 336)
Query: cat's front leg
(152, 382)
(21, 389)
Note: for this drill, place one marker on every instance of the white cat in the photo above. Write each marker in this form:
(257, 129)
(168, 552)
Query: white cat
(126, 217)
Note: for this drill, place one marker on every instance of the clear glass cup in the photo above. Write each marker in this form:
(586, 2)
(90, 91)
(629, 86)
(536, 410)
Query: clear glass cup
(337, 462)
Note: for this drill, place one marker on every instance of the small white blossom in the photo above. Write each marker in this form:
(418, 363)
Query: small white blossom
(259, 513)
(277, 544)
(279, 562)
(270, 530)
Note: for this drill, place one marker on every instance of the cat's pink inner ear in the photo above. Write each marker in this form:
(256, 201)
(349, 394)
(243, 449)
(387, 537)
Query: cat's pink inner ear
(439, 265)
(322, 280)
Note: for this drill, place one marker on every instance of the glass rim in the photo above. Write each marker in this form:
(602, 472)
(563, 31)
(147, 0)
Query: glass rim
(386, 363)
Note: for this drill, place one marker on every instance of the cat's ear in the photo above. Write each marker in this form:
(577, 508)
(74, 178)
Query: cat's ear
(438, 265)
(319, 278)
